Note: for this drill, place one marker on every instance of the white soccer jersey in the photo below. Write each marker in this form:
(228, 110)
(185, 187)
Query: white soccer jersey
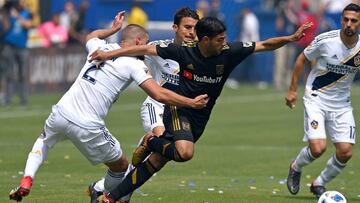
(164, 71)
(89, 99)
(330, 80)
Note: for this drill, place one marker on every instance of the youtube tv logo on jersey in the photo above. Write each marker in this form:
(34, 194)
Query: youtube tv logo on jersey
(188, 75)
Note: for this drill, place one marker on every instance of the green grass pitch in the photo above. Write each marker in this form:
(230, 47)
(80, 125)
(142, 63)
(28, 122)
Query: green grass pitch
(243, 155)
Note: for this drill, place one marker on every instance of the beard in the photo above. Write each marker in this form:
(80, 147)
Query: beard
(348, 32)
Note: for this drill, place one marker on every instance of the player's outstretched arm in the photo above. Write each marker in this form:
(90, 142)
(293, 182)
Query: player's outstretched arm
(139, 50)
(171, 98)
(291, 95)
(277, 42)
(104, 33)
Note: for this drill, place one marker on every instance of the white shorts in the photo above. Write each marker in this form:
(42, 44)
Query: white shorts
(97, 145)
(339, 125)
(151, 114)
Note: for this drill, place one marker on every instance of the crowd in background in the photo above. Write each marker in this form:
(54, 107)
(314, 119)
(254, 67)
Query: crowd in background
(21, 29)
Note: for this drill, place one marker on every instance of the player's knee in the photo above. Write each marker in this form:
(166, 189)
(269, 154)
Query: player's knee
(185, 155)
(184, 150)
(316, 152)
(344, 156)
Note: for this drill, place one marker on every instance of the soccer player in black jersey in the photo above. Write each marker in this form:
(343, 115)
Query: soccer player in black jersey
(204, 68)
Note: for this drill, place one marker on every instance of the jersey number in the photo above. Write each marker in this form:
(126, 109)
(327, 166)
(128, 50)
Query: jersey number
(87, 77)
(352, 132)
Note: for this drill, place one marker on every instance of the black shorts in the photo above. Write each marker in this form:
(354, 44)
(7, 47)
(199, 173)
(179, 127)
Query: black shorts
(179, 125)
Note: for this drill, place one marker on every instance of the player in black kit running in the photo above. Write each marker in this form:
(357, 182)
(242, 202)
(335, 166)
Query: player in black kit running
(204, 68)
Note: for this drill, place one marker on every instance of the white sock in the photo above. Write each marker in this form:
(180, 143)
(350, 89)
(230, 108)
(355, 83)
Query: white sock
(127, 197)
(112, 179)
(36, 158)
(332, 169)
(99, 185)
(304, 158)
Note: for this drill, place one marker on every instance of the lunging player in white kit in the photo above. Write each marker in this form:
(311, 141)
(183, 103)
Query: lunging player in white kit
(80, 113)
(165, 73)
(327, 100)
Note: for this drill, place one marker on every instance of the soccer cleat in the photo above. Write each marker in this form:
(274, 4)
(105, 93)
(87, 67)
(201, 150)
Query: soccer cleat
(94, 195)
(317, 190)
(142, 151)
(105, 199)
(22, 190)
(293, 180)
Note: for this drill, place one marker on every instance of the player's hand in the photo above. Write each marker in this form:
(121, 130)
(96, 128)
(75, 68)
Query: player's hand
(118, 20)
(291, 98)
(105, 199)
(98, 55)
(201, 101)
(300, 33)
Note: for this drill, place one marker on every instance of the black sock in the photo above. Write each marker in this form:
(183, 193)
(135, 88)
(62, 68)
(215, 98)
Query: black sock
(165, 148)
(137, 177)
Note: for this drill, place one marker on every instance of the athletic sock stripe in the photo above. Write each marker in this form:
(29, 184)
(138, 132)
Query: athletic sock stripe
(308, 153)
(337, 163)
(150, 168)
(134, 177)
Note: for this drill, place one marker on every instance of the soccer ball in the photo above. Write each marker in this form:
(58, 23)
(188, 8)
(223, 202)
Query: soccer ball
(332, 197)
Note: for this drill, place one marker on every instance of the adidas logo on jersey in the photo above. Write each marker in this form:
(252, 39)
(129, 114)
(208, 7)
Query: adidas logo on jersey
(166, 65)
(334, 57)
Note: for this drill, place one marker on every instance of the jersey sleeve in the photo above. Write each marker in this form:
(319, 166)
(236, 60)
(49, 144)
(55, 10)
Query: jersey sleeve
(169, 51)
(240, 50)
(313, 51)
(138, 72)
(94, 44)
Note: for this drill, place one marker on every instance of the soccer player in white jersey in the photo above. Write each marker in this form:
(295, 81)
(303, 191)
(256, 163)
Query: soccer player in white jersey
(327, 100)
(165, 73)
(80, 113)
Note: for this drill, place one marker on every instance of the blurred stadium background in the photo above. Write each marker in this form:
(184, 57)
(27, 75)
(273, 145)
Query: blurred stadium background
(61, 63)
(243, 155)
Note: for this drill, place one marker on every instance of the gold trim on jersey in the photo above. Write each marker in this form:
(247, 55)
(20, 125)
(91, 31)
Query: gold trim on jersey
(226, 46)
(321, 73)
(175, 118)
(350, 56)
(189, 44)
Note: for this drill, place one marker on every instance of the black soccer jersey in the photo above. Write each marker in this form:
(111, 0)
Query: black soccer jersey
(200, 75)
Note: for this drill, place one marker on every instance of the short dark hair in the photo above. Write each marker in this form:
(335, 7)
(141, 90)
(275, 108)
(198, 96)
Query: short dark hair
(183, 13)
(132, 31)
(209, 26)
(352, 7)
